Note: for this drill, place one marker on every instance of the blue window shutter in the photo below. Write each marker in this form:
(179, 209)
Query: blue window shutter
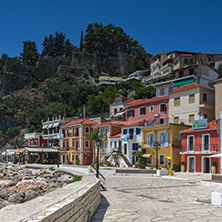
(133, 146)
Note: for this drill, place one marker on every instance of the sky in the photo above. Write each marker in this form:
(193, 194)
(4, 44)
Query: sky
(158, 25)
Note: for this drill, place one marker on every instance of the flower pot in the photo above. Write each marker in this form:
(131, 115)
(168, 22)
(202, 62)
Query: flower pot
(213, 169)
(182, 168)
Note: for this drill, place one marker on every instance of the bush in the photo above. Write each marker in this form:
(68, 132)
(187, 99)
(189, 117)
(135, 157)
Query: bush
(176, 168)
(213, 164)
(45, 161)
(36, 161)
(34, 84)
(76, 178)
(182, 163)
(28, 160)
(52, 168)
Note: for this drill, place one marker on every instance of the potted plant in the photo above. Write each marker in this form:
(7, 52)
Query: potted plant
(182, 166)
(77, 161)
(213, 167)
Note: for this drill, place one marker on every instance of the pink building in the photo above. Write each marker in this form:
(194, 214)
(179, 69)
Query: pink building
(147, 109)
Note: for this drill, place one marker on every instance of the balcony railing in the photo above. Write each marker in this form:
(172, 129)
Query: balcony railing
(73, 134)
(200, 148)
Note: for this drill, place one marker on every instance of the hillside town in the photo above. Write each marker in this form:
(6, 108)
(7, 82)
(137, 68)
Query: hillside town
(181, 123)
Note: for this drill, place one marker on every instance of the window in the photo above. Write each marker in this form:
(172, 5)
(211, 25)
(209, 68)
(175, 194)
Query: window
(135, 146)
(206, 142)
(115, 144)
(32, 143)
(121, 108)
(162, 107)
(105, 131)
(142, 111)
(161, 159)
(101, 130)
(180, 74)
(73, 157)
(67, 157)
(191, 61)
(86, 143)
(162, 91)
(115, 110)
(164, 139)
(87, 129)
(150, 160)
(138, 131)
(124, 131)
(64, 144)
(209, 59)
(177, 101)
(130, 113)
(77, 157)
(191, 118)
(191, 71)
(131, 133)
(161, 121)
(151, 138)
(73, 143)
(125, 148)
(77, 144)
(185, 61)
(190, 143)
(191, 98)
(204, 97)
(170, 89)
(176, 119)
(205, 116)
(105, 147)
(67, 144)
(36, 142)
(111, 144)
(151, 109)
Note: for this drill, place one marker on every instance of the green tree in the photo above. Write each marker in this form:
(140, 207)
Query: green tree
(219, 70)
(30, 53)
(147, 92)
(3, 59)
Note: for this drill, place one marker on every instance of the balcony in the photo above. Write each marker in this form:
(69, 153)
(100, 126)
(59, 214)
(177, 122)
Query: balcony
(207, 104)
(73, 134)
(200, 149)
(155, 71)
(155, 63)
(64, 148)
(169, 65)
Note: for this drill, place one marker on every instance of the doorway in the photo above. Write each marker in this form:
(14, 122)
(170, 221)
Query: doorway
(206, 165)
(191, 164)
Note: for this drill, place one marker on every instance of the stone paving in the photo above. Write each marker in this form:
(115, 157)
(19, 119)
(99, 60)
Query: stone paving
(144, 198)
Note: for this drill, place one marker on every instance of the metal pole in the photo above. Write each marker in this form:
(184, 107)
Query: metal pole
(58, 158)
(156, 156)
(97, 164)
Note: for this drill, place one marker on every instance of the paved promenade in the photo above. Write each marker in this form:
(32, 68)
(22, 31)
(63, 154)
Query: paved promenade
(143, 198)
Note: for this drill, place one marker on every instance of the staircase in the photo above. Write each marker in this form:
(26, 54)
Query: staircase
(126, 161)
(101, 177)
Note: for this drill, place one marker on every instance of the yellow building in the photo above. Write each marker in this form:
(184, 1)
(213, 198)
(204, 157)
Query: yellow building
(167, 138)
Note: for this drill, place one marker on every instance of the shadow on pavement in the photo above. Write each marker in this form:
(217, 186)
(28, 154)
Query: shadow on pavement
(101, 210)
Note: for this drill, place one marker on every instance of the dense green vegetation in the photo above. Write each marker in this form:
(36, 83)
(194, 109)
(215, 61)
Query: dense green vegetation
(219, 71)
(65, 95)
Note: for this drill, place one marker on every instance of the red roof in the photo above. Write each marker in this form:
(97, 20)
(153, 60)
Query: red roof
(82, 121)
(217, 80)
(114, 122)
(116, 135)
(210, 126)
(190, 86)
(146, 101)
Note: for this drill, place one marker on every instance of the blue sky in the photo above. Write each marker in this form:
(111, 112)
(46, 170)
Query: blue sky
(159, 25)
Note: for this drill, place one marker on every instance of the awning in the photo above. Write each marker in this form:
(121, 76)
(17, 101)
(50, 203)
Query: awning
(50, 125)
(183, 82)
(119, 114)
(41, 150)
(45, 126)
(217, 155)
(146, 155)
(55, 124)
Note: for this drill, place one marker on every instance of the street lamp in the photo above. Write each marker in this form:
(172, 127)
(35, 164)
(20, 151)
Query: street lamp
(157, 146)
(97, 164)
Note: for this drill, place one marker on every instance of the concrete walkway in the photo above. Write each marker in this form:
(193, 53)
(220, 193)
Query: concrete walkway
(143, 198)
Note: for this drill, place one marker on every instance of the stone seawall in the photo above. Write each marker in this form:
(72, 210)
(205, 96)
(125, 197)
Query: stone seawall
(75, 202)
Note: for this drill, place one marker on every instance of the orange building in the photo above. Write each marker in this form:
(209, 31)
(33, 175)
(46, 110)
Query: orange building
(76, 148)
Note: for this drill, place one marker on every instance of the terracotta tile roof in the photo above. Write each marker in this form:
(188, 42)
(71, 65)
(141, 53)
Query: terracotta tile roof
(210, 126)
(147, 101)
(138, 123)
(83, 121)
(190, 86)
(116, 135)
(114, 122)
(217, 80)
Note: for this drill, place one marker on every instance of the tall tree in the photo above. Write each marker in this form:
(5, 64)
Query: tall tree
(30, 53)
